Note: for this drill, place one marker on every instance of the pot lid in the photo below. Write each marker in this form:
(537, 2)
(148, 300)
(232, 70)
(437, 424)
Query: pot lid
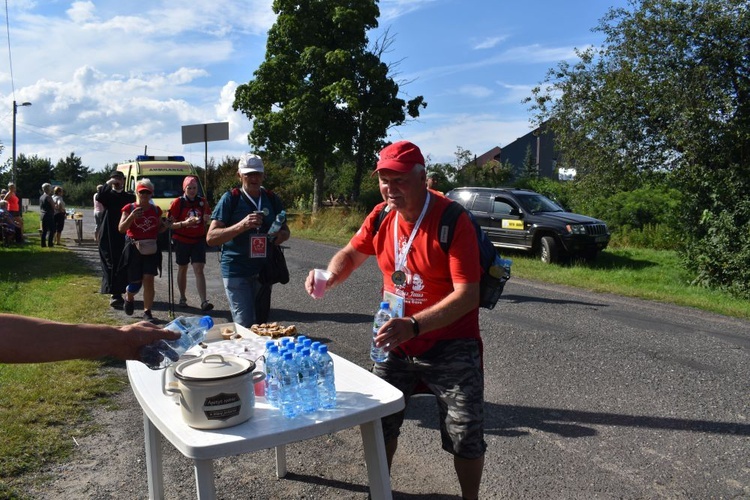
(213, 367)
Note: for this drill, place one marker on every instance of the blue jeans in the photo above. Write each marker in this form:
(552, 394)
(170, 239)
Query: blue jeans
(241, 294)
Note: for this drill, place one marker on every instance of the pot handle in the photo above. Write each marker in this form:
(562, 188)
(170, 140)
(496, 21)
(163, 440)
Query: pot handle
(170, 388)
(258, 377)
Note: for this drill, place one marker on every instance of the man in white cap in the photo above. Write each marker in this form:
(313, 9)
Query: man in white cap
(240, 224)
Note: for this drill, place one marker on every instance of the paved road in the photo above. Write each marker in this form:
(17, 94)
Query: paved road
(587, 395)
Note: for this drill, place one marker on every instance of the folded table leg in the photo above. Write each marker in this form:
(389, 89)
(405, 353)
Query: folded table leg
(153, 460)
(377, 463)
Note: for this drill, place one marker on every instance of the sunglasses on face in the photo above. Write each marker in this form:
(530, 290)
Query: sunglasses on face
(144, 191)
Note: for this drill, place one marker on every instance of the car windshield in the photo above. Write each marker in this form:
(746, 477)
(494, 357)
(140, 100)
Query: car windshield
(168, 186)
(536, 203)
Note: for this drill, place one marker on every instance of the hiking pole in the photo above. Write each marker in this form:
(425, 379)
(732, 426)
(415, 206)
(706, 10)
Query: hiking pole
(170, 286)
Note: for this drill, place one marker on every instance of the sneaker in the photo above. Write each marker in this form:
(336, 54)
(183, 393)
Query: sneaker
(116, 301)
(206, 306)
(129, 307)
(183, 302)
(148, 316)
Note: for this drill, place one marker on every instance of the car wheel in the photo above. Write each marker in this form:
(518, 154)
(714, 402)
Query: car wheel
(548, 251)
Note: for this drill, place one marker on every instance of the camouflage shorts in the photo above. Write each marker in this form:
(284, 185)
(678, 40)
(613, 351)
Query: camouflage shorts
(452, 371)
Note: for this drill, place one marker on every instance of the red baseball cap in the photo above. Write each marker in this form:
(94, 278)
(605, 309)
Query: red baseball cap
(400, 156)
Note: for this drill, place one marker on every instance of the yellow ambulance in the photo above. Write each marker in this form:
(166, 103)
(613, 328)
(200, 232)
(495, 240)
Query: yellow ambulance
(165, 172)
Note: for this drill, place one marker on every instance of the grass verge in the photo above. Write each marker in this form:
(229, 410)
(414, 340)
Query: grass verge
(43, 407)
(633, 272)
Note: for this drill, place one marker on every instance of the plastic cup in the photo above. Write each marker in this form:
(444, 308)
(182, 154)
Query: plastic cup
(319, 286)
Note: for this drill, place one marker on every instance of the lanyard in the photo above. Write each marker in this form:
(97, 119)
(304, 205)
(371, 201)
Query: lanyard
(260, 199)
(400, 257)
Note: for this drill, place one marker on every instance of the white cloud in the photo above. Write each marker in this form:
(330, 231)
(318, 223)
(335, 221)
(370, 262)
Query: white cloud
(530, 54)
(81, 12)
(392, 9)
(489, 43)
(477, 91)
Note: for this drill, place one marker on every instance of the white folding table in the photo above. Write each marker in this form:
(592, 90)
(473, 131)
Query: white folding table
(362, 399)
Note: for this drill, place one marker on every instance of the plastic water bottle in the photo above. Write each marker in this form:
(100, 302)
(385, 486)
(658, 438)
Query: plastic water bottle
(272, 382)
(289, 382)
(276, 226)
(326, 380)
(163, 353)
(378, 354)
(308, 384)
(314, 351)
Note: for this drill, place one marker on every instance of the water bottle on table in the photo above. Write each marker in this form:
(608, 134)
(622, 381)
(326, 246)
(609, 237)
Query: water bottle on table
(379, 354)
(163, 353)
(272, 382)
(289, 382)
(308, 384)
(326, 381)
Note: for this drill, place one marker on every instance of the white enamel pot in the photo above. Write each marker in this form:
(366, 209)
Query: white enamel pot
(216, 391)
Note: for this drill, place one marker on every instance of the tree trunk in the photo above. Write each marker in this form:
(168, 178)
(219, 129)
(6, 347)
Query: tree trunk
(318, 178)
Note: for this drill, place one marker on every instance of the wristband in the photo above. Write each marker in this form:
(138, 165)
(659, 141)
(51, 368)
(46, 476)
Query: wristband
(414, 325)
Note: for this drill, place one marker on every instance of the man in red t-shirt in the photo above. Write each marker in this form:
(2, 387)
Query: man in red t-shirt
(435, 339)
(190, 213)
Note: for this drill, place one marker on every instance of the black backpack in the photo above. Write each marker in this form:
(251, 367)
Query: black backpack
(493, 280)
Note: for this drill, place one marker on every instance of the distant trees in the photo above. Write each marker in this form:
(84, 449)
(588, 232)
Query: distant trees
(669, 92)
(70, 170)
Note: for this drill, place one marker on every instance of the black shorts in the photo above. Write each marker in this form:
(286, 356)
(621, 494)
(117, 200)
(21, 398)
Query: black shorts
(185, 253)
(59, 222)
(138, 264)
(452, 371)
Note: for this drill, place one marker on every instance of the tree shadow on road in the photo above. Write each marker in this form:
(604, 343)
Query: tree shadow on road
(514, 420)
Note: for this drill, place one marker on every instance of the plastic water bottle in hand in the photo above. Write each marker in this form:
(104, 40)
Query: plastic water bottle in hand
(276, 226)
(379, 354)
(163, 353)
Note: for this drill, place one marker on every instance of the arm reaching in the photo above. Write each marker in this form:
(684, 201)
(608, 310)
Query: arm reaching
(53, 341)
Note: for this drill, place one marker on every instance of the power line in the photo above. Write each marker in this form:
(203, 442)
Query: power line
(10, 57)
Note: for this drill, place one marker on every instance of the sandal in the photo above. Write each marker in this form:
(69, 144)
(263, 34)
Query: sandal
(183, 302)
(206, 306)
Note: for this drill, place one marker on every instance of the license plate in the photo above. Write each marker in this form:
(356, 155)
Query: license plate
(601, 238)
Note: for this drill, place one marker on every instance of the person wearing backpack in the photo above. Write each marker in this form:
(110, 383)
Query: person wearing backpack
(190, 213)
(434, 340)
(240, 224)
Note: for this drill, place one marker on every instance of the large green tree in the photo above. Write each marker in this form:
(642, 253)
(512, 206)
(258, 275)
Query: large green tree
(321, 96)
(669, 91)
(70, 170)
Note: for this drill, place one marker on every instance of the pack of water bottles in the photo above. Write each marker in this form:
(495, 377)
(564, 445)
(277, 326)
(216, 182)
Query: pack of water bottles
(299, 376)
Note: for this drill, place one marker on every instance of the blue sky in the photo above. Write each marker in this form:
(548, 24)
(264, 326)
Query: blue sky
(107, 78)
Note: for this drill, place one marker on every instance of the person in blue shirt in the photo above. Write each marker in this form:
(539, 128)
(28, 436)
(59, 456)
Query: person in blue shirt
(240, 223)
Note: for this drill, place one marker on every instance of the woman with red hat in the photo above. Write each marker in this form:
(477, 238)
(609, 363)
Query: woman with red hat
(141, 223)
